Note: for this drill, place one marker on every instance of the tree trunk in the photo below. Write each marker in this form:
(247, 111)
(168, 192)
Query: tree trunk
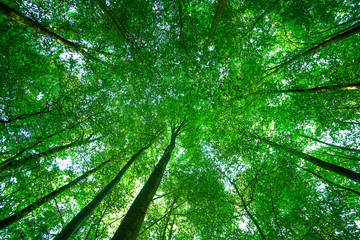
(325, 165)
(131, 224)
(11, 164)
(39, 141)
(329, 182)
(350, 31)
(332, 145)
(219, 10)
(248, 212)
(163, 235)
(21, 214)
(75, 223)
(350, 86)
(15, 15)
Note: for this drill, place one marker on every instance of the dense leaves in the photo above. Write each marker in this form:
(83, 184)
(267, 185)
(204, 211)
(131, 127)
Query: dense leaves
(266, 94)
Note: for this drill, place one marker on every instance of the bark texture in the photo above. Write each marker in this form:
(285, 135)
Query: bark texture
(12, 163)
(219, 10)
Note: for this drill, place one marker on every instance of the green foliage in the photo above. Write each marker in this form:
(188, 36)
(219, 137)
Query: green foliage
(141, 66)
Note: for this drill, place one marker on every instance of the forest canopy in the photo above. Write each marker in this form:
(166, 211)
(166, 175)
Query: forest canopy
(179, 119)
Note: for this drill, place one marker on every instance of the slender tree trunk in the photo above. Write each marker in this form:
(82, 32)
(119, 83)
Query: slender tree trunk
(248, 212)
(330, 182)
(113, 21)
(15, 15)
(76, 222)
(24, 116)
(131, 224)
(39, 141)
(350, 31)
(219, 10)
(345, 157)
(332, 145)
(22, 213)
(11, 164)
(351, 86)
(163, 235)
(325, 165)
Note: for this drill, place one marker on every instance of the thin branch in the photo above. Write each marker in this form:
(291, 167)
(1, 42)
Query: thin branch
(60, 215)
(247, 211)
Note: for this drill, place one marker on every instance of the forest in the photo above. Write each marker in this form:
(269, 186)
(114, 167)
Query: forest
(182, 119)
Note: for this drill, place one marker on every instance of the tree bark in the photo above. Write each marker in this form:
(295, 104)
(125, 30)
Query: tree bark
(131, 224)
(22, 213)
(268, 9)
(75, 223)
(15, 15)
(325, 165)
(248, 212)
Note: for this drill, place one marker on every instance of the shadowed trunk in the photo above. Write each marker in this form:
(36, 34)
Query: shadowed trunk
(21, 214)
(351, 86)
(332, 145)
(325, 165)
(329, 182)
(350, 31)
(11, 164)
(131, 224)
(15, 15)
(219, 10)
(75, 223)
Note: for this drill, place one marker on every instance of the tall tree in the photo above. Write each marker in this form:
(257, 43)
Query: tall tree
(22, 213)
(74, 224)
(99, 77)
(131, 224)
(325, 165)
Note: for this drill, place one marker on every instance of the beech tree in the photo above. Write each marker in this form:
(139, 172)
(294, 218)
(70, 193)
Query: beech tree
(257, 104)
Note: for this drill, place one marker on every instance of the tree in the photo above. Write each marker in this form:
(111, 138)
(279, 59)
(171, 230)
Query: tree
(131, 224)
(74, 224)
(269, 91)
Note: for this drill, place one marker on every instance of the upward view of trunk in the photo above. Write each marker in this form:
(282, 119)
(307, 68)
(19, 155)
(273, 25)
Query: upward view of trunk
(131, 224)
(352, 30)
(22, 213)
(248, 212)
(325, 165)
(25, 116)
(267, 10)
(328, 181)
(219, 10)
(347, 87)
(39, 141)
(15, 15)
(11, 164)
(332, 145)
(75, 223)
